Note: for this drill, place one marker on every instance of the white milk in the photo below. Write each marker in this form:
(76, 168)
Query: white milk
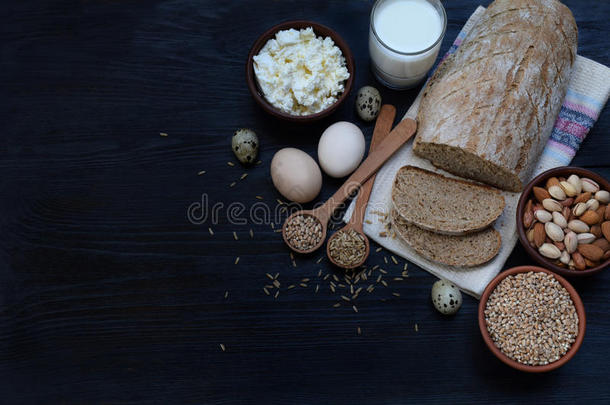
(404, 39)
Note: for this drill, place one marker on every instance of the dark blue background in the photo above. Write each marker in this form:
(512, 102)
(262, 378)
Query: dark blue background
(108, 294)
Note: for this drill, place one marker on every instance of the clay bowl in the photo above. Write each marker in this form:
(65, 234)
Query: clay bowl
(580, 310)
(320, 30)
(540, 181)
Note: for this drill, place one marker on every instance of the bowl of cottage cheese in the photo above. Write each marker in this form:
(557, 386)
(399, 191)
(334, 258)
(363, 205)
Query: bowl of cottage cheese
(300, 71)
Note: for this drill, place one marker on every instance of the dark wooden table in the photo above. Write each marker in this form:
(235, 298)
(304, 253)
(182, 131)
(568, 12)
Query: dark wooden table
(109, 294)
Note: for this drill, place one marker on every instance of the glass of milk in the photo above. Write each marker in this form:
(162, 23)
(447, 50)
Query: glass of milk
(404, 39)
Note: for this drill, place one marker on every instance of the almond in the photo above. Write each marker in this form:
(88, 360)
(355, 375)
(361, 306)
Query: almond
(601, 212)
(591, 252)
(541, 194)
(590, 263)
(606, 255)
(567, 202)
(590, 217)
(560, 245)
(606, 230)
(566, 213)
(584, 197)
(530, 235)
(528, 215)
(579, 261)
(552, 181)
(539, 234)
(589, 185)
(607, 212)
(603, 244)
(596, 230)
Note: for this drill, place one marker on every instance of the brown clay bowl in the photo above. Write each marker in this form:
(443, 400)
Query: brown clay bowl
(580, 310)
(540, 181)
(320, 30)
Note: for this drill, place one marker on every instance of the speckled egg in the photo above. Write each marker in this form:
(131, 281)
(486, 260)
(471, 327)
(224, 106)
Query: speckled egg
(446, 297)
(245, 145)
(368, 103)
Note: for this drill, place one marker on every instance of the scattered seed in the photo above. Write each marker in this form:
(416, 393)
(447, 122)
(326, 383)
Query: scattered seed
(266, 291)
(258, 197)
(243, 176)
(416, 328)
(317, 288)
(226, 294)
(396, 294)
(231, 164)
(378, 250)
(211, 231)
(368, 222)
(383, 234)
(319, 272)
(384, 283)
(251, 233)
(337, 305)
(344, 298)
(237, 260)
(162, 134)
(222, 347)
(202, 172)
(359, 331)
(269, 275)
(383, 271)
(354, 308)
(276, 294)
(319, 260)
(398, 279)
(394, 260)
(259, 162)
(232, 184)
(385, 259)
(276, 283)
(303, 285)
(235, 236)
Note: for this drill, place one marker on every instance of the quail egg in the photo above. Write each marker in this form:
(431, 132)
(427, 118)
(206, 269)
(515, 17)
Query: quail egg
(245, 145)
(368, 103)
(446, 297)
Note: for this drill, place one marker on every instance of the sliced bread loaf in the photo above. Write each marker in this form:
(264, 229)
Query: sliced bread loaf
(444, 205)
(462, 251)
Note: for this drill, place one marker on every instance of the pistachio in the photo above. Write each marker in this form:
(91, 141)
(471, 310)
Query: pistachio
(575, 181)
(551, 205)
(550, 251)
(543, 216)
(557, 193)
(586, 238)
(593, 204)
(578, 226)
(568, 188)
(571, 242)
(565, 257)
(603, 196)
(560, 220)
(554, 231)
(579, 209)
(589, 185)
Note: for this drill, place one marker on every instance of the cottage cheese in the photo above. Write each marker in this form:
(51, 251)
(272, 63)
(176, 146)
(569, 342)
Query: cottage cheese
(300, 73)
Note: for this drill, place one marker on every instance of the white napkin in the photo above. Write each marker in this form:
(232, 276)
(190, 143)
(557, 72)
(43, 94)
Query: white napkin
(588, 92)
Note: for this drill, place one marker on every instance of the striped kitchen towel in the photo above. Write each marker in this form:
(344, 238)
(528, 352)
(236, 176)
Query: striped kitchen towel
(587, 94)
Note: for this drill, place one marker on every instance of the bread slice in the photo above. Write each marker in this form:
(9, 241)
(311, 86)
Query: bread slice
(444, 205)
(462, 251)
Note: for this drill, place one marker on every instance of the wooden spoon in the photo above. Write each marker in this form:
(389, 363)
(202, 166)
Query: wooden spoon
(382, 129)
(395, 139)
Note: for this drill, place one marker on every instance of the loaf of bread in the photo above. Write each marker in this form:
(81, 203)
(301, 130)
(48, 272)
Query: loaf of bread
(463, 251)
(489, 109)
(444, 205)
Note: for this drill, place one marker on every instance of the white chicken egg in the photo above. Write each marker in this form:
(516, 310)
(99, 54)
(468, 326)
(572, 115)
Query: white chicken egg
(296, 175)
(341, 149)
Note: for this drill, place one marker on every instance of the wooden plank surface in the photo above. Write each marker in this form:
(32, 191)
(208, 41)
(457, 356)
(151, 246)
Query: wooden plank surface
(109, 294)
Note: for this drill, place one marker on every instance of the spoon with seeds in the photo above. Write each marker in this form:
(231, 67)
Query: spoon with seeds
(305, 230)
(349, 247)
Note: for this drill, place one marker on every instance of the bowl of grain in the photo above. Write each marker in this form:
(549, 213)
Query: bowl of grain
(324, 80)
(532, 319)
(563, 221)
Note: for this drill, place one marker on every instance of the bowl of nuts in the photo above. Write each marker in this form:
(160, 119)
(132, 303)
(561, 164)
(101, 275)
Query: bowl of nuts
(532, 319)
(563, 221)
